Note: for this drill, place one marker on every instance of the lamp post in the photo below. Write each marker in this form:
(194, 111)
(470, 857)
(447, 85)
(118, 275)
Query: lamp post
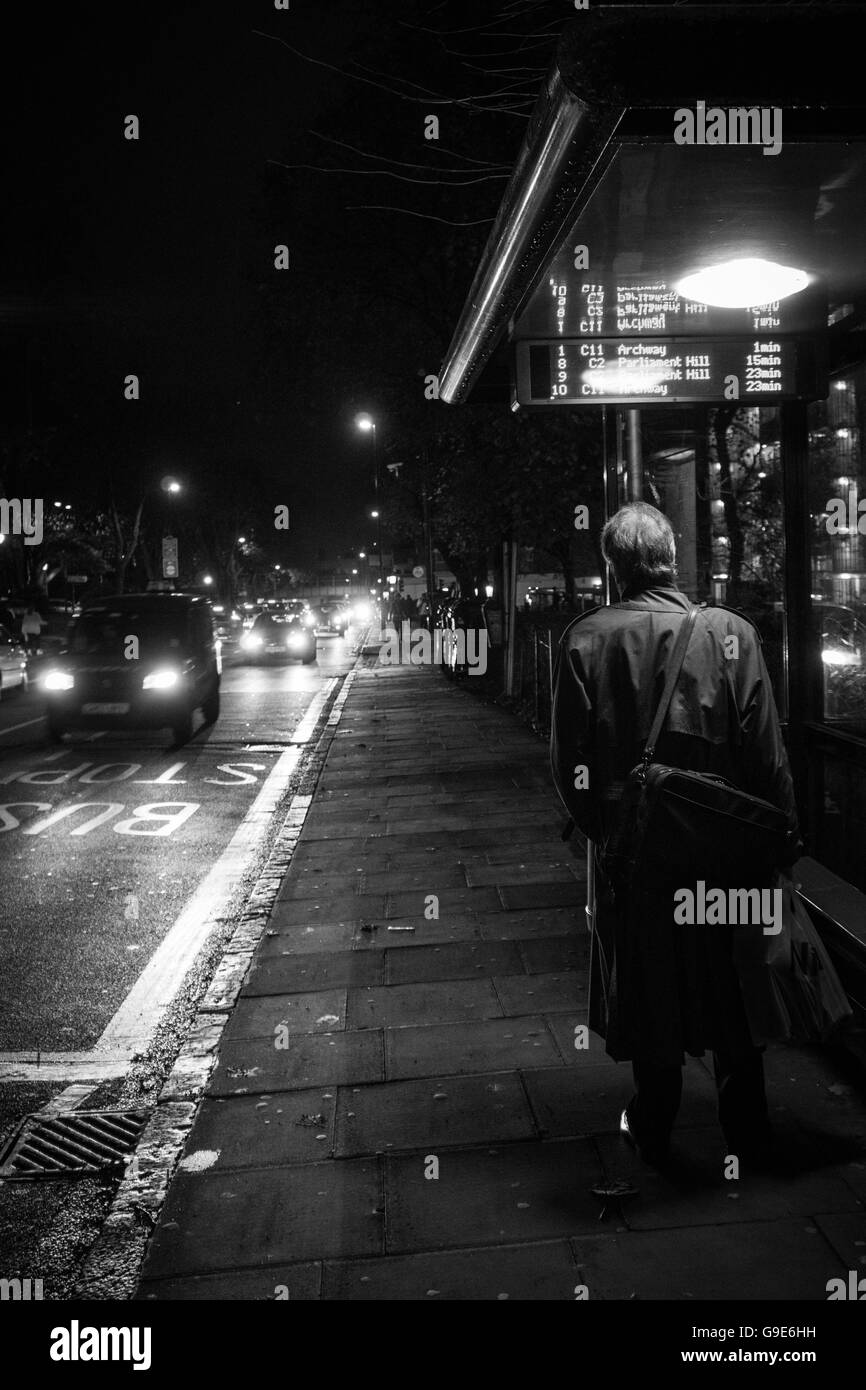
(171, 488)
(367, 425)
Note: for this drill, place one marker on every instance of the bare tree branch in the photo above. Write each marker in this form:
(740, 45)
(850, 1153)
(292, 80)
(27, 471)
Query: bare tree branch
(401, 96)
(412, 164)
(389, 174)
(428, 217)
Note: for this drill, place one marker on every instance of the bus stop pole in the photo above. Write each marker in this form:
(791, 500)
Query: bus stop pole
(635, 457)
(611, 478)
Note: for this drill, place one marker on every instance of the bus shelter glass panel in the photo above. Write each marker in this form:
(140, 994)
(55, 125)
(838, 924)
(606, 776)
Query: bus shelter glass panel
(837, 504)
(837, 480)
(716, 474)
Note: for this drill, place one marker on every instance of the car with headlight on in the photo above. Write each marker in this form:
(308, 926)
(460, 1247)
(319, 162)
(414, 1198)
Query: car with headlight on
(299, 608)
(272, 638)
(332, 616)
(142, 661)
(227, 621)
(13, 662)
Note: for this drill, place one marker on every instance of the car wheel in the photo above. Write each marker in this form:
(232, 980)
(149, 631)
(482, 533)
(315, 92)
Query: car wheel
(56, 730)
(182, 728)
(308, 660)
(211, 707)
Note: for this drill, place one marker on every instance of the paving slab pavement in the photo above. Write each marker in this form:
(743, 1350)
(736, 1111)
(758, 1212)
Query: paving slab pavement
(402, 1107)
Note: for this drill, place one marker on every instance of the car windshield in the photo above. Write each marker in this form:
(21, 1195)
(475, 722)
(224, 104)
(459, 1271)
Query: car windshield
(106, 630)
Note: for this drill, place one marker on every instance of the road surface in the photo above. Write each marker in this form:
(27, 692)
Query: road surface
(106, 841)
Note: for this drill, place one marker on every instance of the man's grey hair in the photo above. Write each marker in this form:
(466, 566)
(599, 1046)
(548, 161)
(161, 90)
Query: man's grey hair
(638, 544)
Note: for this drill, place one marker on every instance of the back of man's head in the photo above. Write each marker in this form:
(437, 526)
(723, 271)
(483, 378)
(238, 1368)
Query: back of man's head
(638, 544)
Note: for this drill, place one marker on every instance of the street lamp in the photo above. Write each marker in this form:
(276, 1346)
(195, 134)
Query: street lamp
(367, 425)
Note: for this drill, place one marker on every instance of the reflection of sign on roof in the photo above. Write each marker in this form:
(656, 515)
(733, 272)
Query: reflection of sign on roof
(573, 303)
(613, 370)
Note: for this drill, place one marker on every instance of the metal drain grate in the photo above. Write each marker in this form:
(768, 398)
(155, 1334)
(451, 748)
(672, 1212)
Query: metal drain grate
(82, 1141)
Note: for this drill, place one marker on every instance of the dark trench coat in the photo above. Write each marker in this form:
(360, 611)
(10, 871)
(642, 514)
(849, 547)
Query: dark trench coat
(659, 990)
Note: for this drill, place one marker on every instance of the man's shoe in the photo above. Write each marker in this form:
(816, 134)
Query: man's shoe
(655, 1155)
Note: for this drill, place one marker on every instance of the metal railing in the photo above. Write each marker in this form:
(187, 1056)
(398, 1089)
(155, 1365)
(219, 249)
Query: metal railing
(536, 642)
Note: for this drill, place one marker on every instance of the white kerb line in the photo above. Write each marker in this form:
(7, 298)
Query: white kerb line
(141, 1012)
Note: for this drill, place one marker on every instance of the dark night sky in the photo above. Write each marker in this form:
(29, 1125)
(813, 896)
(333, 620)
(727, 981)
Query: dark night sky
(158, 254)
(156, 248)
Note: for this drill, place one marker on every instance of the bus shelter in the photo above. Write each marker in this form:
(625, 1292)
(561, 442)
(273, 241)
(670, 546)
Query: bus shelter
(680, 250)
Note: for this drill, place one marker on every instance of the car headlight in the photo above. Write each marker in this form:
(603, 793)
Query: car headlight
(160, 680)
(296, 639)
(59, 680)
(362, 612)
(251, 640)
(309, 619)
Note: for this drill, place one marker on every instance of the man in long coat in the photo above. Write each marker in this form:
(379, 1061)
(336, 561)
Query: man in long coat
(658, 989)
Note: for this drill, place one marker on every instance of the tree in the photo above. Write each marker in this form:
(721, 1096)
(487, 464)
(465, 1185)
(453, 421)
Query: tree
(416, 226)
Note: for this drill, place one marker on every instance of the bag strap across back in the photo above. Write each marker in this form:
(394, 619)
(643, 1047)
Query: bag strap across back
(678, 656)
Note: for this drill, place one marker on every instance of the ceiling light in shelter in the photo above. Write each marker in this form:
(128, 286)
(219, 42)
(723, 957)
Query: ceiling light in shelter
(742, 284)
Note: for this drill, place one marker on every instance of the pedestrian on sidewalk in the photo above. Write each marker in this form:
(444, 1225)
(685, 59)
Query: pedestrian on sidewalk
(659, 990)
(403, 612)
(32, 624)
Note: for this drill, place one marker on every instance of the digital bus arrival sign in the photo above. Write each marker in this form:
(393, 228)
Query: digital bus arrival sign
(576, 304)
(616, 371)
